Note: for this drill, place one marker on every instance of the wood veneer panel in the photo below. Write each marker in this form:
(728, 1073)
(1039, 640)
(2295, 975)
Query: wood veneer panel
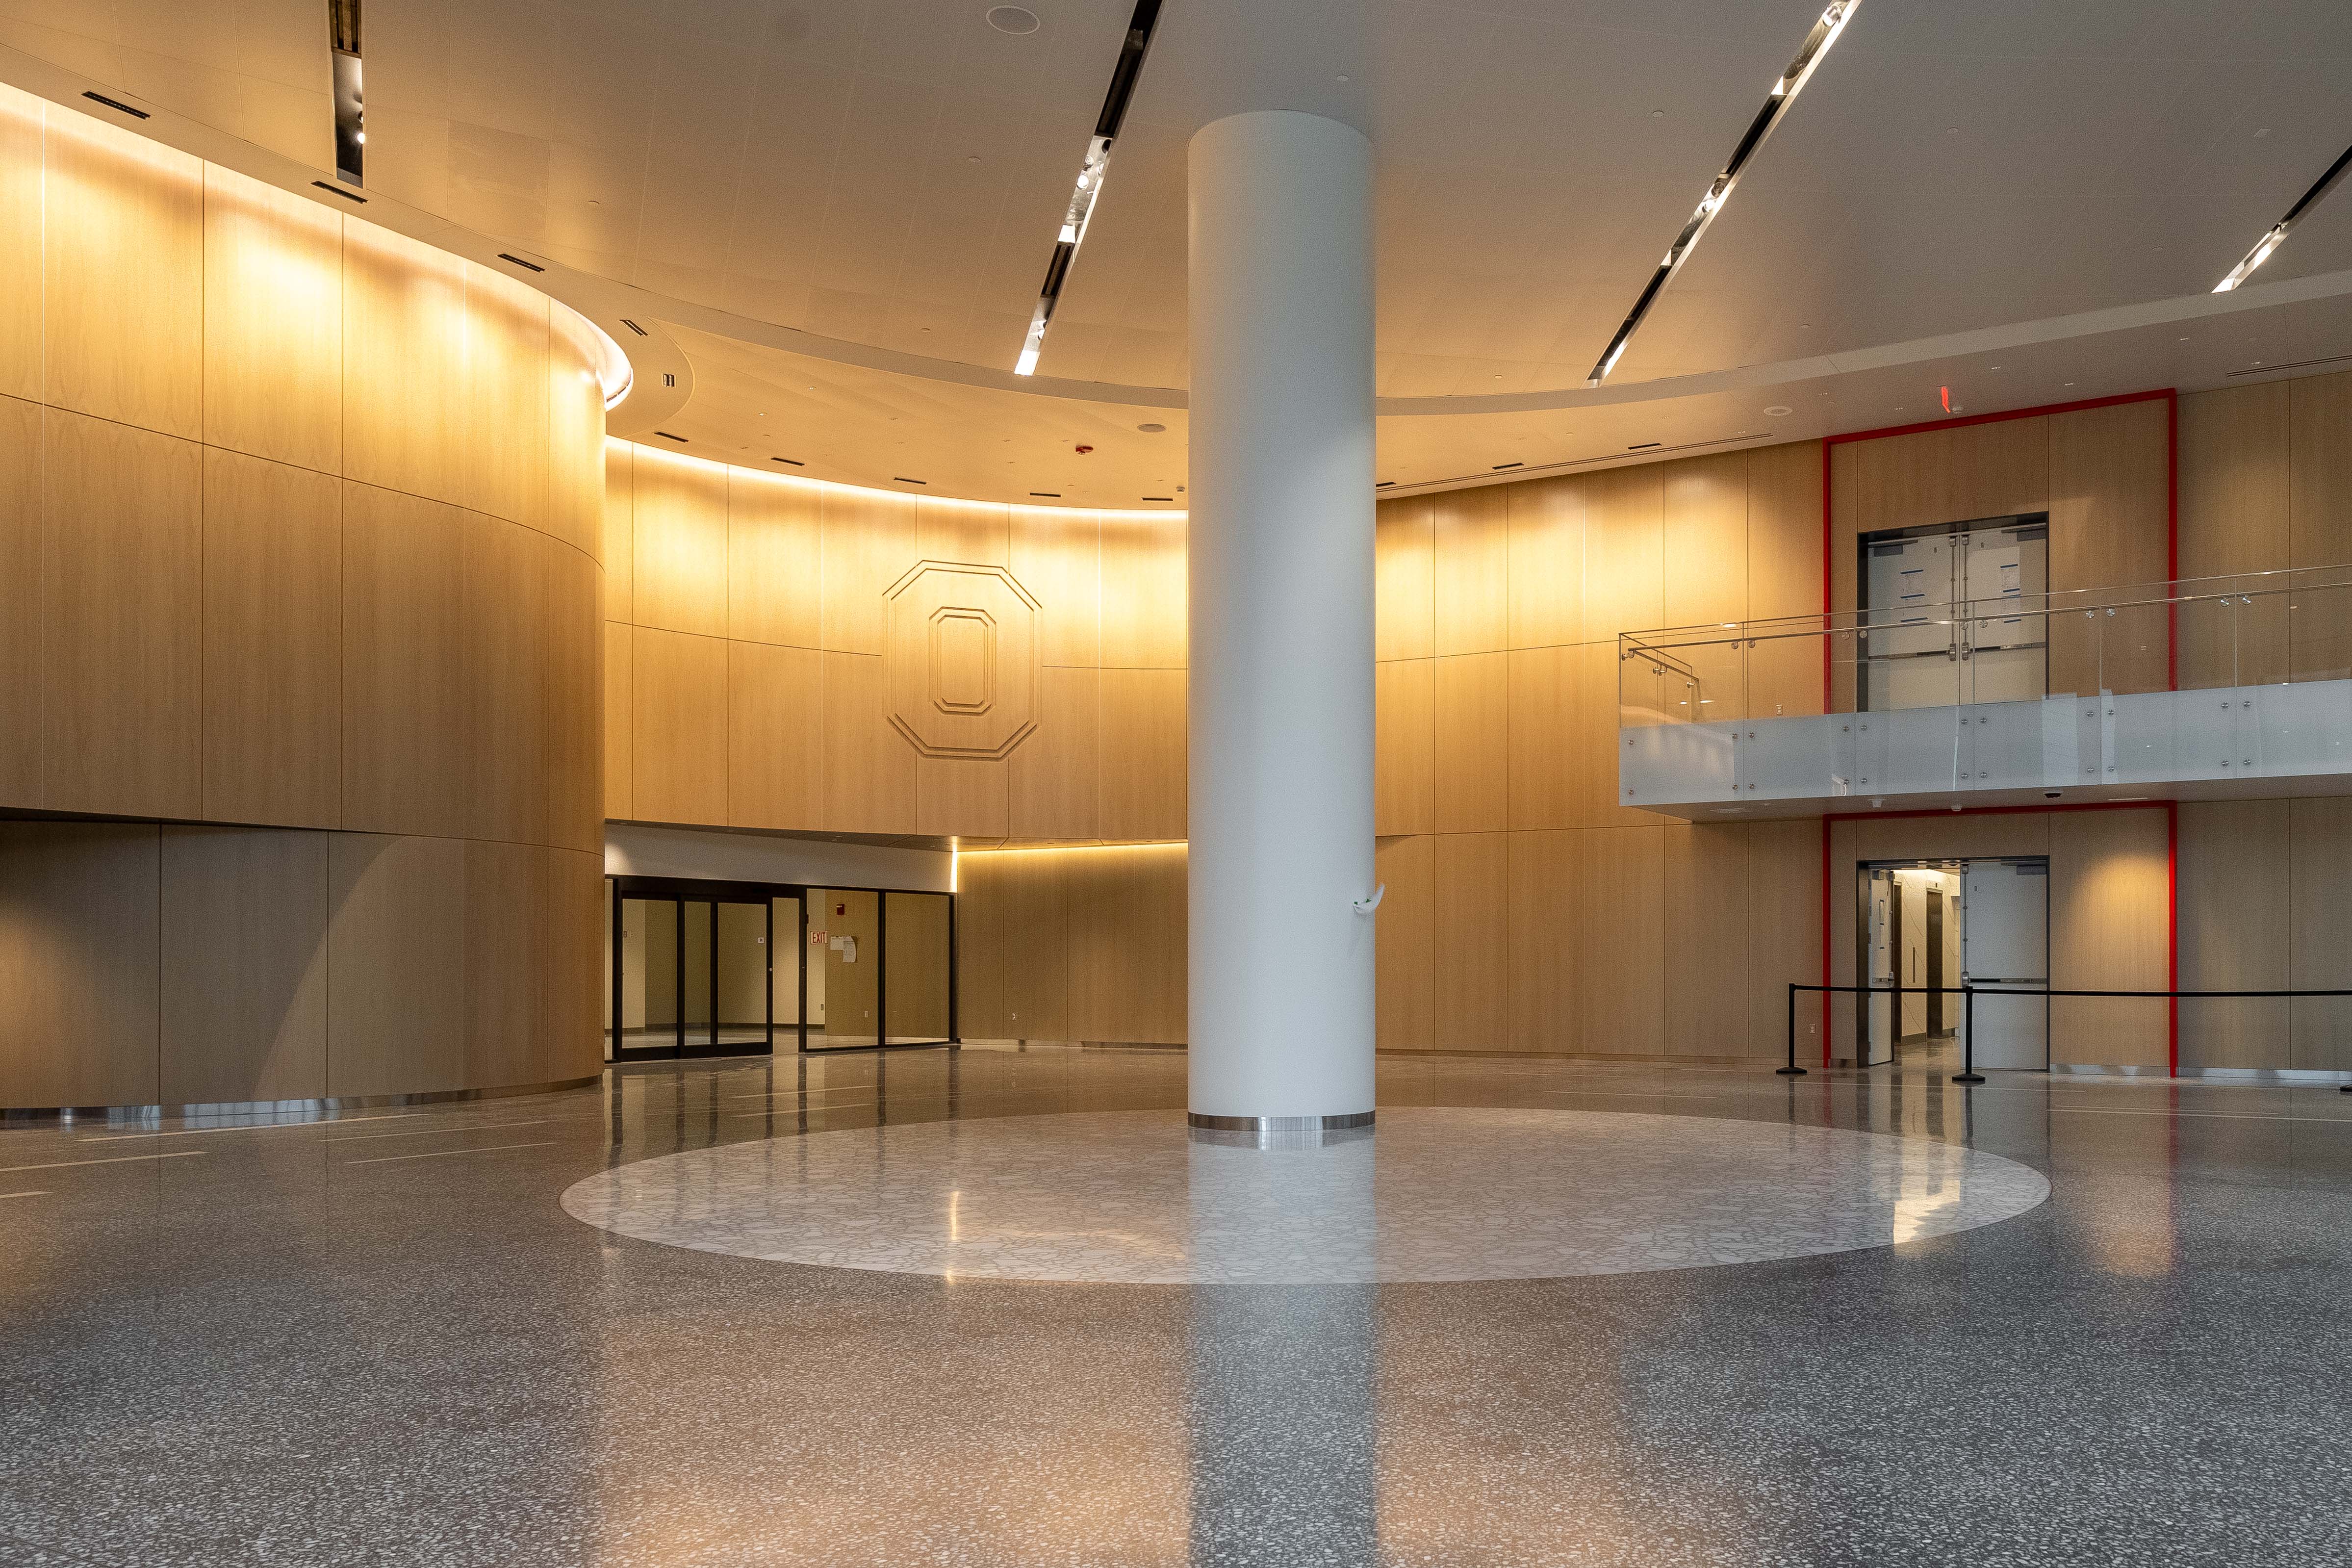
(870, 768)
(1703, 565)
(572, 697)
(679, 532)
(506, 926)
(1405, 1011)
(574, 1004)
(620, 721)
(1472, 705)
(20, 597)
(1621, 931)
(405, 736)
(21, 303)
(869, 543)
(2320, 521)
(1955, 836)
(1013, 946)
(1404, 752)
(960, 796)
(620, 551)
(1056, 554)
(1707, 923)
(504, 630)
(121, 566)
(1141, 756)
(975, 533)
(123, 267)
(1624, 550)
(775, 736)
(1128, 932)
(273, 323)
(575, 436)
(1055, 774)
(1143, 590)
(1784, 532)
(1784, 936)
(1404, 579)
(407, 408)
(1542, 726)
(244, 966)
(2108, 871)
(2236, 931)
(775, 545)
(272, 635)
(79, 930)
(1546, 965)
(916, 982)
(1472, 896)
(1472, 581)
(2235, 518)
(678, 760)
(2110, 494)
(1593, 741)
(2319, 898)
(1546, 544)
(504, 447)
(395, 965)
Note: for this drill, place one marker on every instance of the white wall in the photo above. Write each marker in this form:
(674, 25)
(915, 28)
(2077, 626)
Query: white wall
(632, 850)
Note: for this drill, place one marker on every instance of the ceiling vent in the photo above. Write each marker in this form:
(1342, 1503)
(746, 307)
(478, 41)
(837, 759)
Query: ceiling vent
(102, 97)
(1652, 449)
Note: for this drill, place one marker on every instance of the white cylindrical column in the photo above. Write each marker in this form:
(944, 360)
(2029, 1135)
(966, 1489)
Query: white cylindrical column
(1280, 695)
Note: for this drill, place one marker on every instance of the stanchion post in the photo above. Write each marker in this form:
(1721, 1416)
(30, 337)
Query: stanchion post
(1967, 1073)
(1793, 1070)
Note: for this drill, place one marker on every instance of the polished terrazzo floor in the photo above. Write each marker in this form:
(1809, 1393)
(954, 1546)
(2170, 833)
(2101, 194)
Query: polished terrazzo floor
(382, 1340)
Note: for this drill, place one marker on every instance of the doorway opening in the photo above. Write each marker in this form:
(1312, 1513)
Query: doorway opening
(1935, 924)
(1915, 652)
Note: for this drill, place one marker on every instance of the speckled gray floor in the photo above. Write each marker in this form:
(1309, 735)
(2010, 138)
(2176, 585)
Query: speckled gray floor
(382, 1340)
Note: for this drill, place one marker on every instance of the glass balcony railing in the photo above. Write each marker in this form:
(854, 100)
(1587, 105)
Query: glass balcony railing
(2216, 677)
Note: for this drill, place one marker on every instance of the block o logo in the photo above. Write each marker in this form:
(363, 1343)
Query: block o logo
(961, 656)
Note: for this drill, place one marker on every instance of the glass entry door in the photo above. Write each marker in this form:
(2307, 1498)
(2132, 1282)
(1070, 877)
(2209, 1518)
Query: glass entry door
(698, 973)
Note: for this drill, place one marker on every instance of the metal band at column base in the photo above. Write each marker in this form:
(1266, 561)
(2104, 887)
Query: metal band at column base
(1277, 1123)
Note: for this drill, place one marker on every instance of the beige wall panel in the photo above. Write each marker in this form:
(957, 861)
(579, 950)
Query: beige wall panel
(869, 543)
(960, 796)
(20, 590)
(974, 533)
(2320, 521)
(1404, 568)
(506, 628)
(2108, 876)
(678, 759)
(1952, 835)
(2319, 898)
(775, 557)
(574, 512)
(2236, 931)
(1843, 856)
(1543, 727)
(1471, 581)
(405, 416)
(506, 928)
(1471, 887)
(1127, 926)
(123, 277)
(620, 721)
(1784, 936)
(574, 1007)
(1404, 757)
(1624, 550)
(1705, 560)
(20, 246)
(679, 528)
(2110, 495)
(79, 933)
(244, 971)
(1784, 531)
(405, 749)
(273, 332)
(1621, 936)
(620, 552)
(1545, 964)
(1472, 772)
(1547, 561)
(852, 1000)
(1706, 956)
(120, 567)
(1141, 757)
(870, 768)
(1405, 996)
(1143, 590)
(1056, 554)
(572, 697)
(272, 623)
(775, 737)
(506, 391)
(1013, 946)
(2233, 519)
(1056, 784)
(915, 982)
(1998, 470)
(1593, 741)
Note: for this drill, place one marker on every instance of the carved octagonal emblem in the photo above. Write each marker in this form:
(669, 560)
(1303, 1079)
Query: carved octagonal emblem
(960, 654)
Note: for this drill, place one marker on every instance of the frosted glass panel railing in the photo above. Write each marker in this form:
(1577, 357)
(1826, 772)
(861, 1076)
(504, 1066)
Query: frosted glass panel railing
(2218, 678)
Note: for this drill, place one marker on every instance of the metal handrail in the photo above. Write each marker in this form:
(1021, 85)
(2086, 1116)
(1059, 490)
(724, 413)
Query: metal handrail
(1968, 994)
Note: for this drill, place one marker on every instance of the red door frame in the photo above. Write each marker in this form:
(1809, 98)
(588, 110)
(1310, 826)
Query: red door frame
(2172, 397)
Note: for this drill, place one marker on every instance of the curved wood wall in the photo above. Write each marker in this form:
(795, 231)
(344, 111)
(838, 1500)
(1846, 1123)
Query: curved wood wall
(299, 534)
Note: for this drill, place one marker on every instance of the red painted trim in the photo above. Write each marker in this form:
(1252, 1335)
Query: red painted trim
(2172, 541)
(1965, 419)
(1825, 940)
(1998, 810)
(1828, 533)
(2172, 925)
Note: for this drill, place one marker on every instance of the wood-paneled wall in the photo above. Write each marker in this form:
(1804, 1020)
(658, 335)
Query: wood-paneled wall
(300, 530)
(1084, 943)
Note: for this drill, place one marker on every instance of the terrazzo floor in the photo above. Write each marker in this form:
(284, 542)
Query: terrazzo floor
(382, 1338)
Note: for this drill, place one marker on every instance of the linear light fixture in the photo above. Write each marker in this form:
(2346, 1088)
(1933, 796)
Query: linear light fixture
(2277, 233)
(1081, 211)
(1776, 106)
(351, 126)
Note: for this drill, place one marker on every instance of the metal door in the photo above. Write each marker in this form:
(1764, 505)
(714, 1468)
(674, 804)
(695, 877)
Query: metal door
(2005, 947)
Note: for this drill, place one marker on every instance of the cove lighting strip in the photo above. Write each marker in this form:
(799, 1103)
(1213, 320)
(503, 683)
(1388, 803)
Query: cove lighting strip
(1784, 93)
(2277, 233)
(1090, 179)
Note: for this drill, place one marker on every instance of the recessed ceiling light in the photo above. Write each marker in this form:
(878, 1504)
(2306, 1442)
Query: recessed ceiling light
(2276, 234)
(1338, 78)
(1012, 19)
(1657, 114)
(1151, 429)
(1777, 410)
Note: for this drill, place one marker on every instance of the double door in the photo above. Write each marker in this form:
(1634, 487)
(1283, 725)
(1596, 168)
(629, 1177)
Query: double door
(1919, 651)
(701, 970)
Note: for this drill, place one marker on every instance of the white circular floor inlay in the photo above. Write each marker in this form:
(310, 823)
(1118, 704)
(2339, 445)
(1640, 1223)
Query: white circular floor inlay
(1436, 1193)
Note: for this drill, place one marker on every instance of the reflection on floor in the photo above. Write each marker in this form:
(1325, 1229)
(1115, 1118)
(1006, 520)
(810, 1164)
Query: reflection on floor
(380, 1339)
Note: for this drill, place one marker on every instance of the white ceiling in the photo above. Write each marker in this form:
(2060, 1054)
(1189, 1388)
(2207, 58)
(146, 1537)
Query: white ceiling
(887, 175)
